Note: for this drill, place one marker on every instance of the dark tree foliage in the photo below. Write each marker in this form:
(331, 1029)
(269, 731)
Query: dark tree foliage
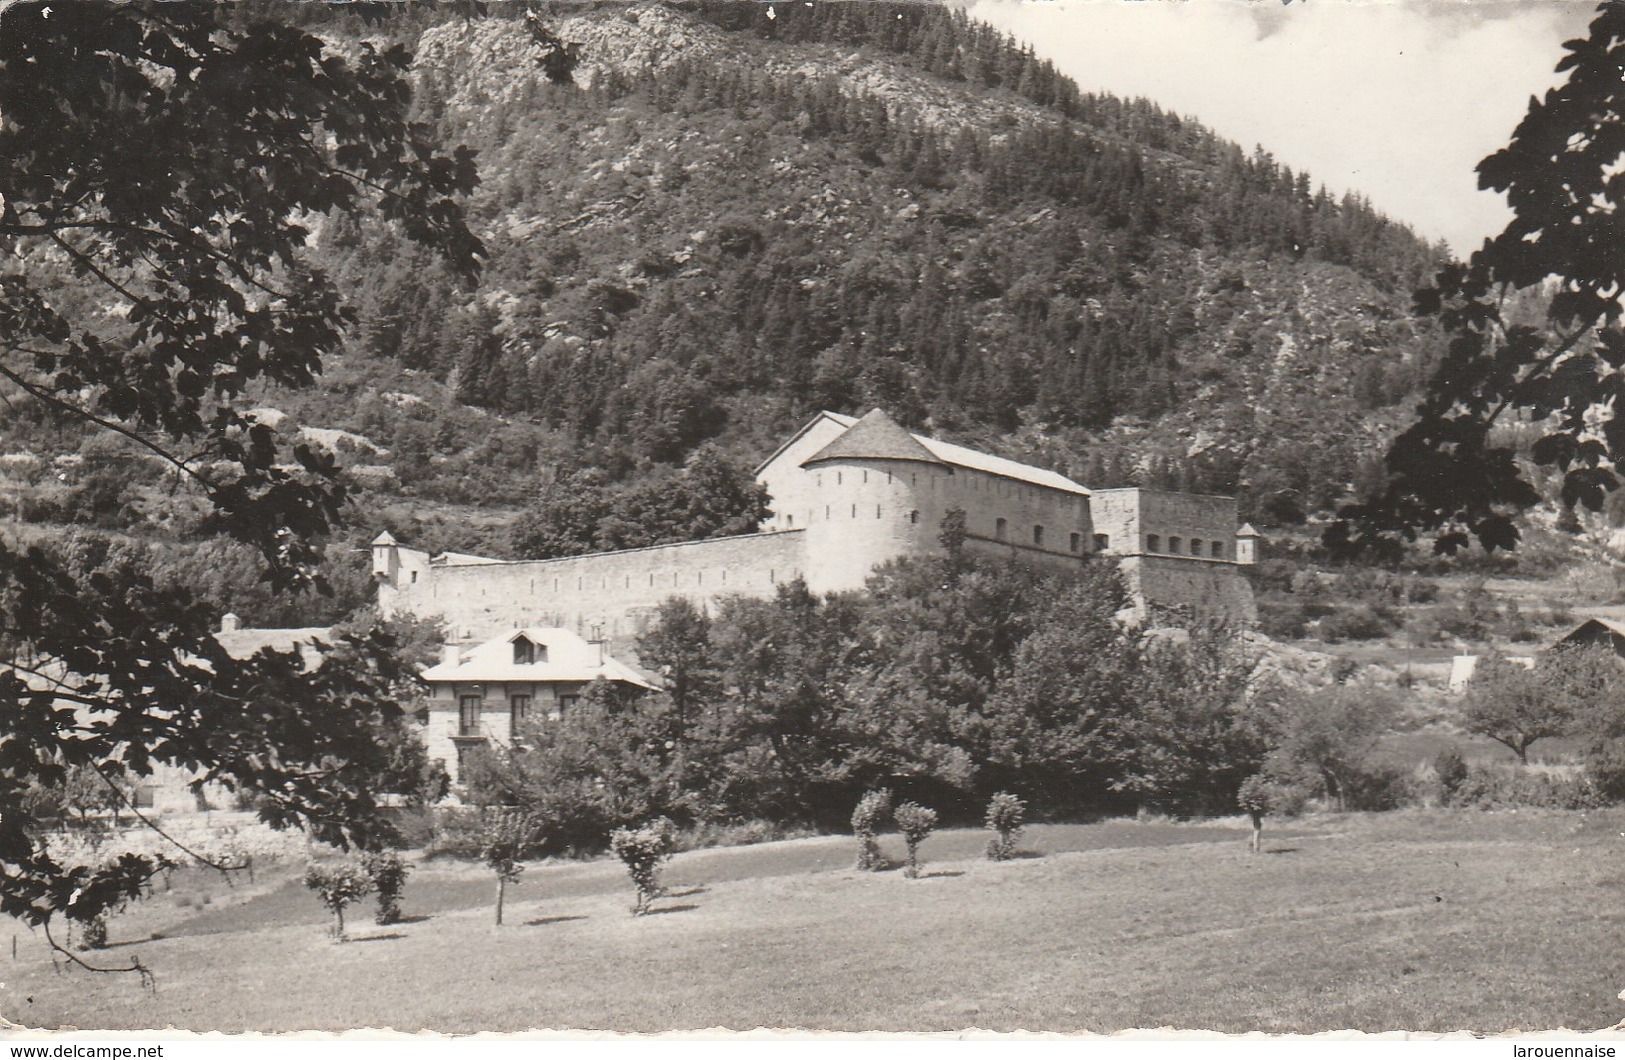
(1450, 477)
(162, 169)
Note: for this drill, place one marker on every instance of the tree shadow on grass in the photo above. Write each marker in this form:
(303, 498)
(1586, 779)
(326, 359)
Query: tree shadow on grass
(154, 937)
(418, 919)
(941, 874)
(686, 892)
(375, 938)
(1282, 850)
(1025, 855)
(672, 909)
(543, 921)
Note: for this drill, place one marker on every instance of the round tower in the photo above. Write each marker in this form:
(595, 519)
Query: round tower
(869, 502)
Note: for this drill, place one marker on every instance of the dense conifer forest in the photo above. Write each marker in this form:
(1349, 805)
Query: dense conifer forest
(703, 224)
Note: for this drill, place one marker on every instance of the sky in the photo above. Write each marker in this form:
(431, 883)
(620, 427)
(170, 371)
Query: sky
(1396, 99)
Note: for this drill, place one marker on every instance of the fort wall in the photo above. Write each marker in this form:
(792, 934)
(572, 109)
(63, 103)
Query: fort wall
(1164, 588)
(608, 595)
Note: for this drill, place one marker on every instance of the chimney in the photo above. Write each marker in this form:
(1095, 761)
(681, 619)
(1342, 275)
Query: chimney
(230, 623)
(450, 655)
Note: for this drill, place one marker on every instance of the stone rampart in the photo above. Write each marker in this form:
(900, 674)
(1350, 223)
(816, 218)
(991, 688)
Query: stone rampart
(612, 595)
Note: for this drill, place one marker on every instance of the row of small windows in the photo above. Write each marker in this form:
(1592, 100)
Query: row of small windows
(471, 706)
(1176, 546)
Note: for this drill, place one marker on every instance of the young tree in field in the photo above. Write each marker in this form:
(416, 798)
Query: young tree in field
(387, 871)
(1448, 476)
(916, 822)
(643, 850)
(867, 820)
(1513, 705)
(338, 883)
(162, 169)
(506, 833)
(1005, 815)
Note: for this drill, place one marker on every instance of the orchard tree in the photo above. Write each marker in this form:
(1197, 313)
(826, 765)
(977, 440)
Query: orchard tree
(1514, 705)
(1449, 476)
(163, 172)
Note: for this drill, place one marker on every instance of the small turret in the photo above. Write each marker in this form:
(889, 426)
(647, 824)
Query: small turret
(386, 556)
(1247, 544)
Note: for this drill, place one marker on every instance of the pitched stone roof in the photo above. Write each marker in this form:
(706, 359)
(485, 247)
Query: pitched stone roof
(875, 437)
(959, 456)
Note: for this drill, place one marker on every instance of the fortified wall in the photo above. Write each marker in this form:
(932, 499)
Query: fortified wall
(848, 495)
(610, 596)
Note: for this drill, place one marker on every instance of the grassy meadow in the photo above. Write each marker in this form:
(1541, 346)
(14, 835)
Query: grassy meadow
(1419, 920)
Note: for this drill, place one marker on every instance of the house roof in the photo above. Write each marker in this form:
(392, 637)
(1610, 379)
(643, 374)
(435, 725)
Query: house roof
(568, 658)
(244, 643)
(955, 455)
(1616, 628)
(875, 437)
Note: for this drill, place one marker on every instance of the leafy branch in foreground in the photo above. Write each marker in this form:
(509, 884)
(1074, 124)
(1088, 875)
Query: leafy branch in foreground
(1449, 476)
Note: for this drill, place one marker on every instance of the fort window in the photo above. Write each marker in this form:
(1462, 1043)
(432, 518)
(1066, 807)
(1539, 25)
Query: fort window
(468, 715)
(518, 711)
(999, 529)
(877, 511)
(790, 521)
(1103, 542)
(1038, 535)
(854, 511)
(1196, 546)
(1218, 550)
(826, 512)
(866, 476)
(914, 517)
(837, 478)
(1074, 542)
(414, 577)
(888, 478)
(1173, 545)
(1153, 543)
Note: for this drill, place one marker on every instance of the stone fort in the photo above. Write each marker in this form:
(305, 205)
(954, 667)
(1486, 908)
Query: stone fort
(847, 495)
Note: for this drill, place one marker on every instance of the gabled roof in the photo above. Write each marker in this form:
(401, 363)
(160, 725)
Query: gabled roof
(875, 437)
(245, 643)
(568, 657)
(959, 456)
(1616, 628)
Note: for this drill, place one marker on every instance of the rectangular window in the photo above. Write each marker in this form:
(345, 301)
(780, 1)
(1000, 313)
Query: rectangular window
(998, 529)
(1075, 542)
(468, 715)
(1218, 550)
(1102, 542)
(567, 704)
(1038, 535)
(518, 711)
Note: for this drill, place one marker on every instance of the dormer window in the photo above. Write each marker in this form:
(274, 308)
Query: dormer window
(527, 651)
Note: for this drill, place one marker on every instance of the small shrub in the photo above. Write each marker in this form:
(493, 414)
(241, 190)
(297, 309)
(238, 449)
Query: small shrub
(915, 822)
(867, 820)
(338, 883)
(1497, 787)
(1605, 769)
(93, 933)
(1451, 771)
(1005, 815)
(1377, 788)
(643, 851)
(388, 873)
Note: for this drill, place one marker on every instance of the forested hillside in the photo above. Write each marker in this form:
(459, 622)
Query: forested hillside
(709, 220)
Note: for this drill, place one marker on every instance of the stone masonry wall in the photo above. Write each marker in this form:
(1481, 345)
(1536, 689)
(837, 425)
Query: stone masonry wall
(617, 591)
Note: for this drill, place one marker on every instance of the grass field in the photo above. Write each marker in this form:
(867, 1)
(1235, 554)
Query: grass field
(1431, 921)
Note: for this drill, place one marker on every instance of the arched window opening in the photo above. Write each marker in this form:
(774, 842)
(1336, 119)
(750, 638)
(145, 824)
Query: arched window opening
(1153, 543)
(1218, 550)
(914, 517)
(1196, 546)
(1174, 545)
(999, 529)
